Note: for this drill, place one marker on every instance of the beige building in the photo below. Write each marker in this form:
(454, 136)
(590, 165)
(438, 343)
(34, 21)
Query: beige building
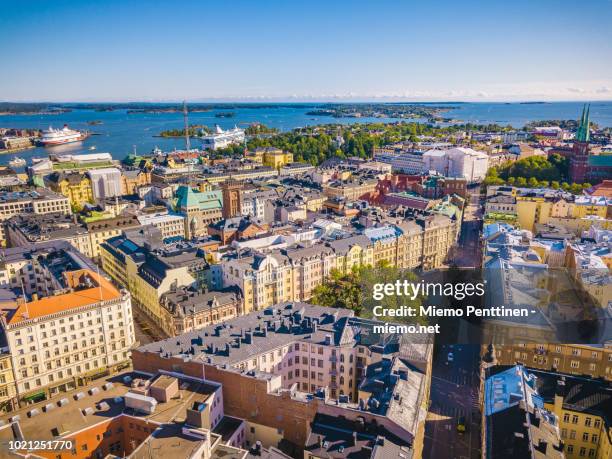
(8, 390)
(170, 225)
(351, 190)
(573, 359)
(292, 274)
(36, 201)
(64, 340)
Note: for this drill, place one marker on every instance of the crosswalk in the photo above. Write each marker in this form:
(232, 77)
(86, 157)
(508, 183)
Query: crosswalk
(456, 411)
(457, 379)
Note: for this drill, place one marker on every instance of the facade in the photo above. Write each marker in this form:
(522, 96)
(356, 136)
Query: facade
(199, 208)
(274, 157)
(282, 370)
(60, 341)
(170, 225)
(141, 263)
(101, 230)
(8, 389)
(401, 160)
(26, 229)
(350, 190)
(515, 422)
(74, 185)
(457, 162)
(132, 179)
(105, 183)
(187, 309)
(292, 274)
(35, 201)
(571, 359)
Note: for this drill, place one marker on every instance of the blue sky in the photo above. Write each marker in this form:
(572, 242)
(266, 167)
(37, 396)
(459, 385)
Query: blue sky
(290, 50)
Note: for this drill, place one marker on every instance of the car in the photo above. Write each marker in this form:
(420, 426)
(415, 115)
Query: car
(461, 426)
(450, 357)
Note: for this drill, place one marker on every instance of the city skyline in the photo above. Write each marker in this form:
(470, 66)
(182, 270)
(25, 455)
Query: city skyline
(80, 51)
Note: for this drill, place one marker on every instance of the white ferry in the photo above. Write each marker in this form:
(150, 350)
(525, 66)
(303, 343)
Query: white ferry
(61, 136)
(223, 139)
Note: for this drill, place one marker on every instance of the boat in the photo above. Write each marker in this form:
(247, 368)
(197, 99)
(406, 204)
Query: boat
(36, 160)
(92, 148)
(52, 136)
(17, 162)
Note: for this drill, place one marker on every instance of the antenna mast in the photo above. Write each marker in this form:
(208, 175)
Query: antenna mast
(187, 145)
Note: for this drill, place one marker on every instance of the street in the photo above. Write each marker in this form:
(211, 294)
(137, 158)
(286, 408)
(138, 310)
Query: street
(143, 329)
(454, 395)
(467, 253)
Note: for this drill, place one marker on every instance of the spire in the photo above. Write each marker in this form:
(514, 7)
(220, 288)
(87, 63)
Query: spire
(587, 125)
(583, 134)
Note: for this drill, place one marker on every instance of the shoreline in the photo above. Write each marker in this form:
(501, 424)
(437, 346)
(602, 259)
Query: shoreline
(5, 151)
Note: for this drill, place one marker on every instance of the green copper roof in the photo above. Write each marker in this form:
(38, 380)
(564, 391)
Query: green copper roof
(583, 133)
(188, 197)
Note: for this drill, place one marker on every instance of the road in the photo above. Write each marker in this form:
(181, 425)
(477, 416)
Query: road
(454, 394)
(468, 251)
(145, 331)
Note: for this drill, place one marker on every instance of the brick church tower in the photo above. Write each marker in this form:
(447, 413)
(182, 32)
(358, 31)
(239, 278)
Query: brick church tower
(232, 198)
(579, 160)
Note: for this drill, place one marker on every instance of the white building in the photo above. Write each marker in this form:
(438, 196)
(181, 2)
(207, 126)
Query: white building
(58, 341)
(170, 225)
(105, 183)
(457, 162)
(223, 139)
(404, 161)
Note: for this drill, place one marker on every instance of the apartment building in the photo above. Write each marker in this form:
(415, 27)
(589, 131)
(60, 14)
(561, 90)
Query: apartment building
(187, 309)
(583, 407)
(593, 361)
(292, 274)
(26, 229)
(132, 179)
(351, 190)
(35, 201)
(286, 366)
(8, 389)
(148, 268)
(515, 422)
(76, 334)
(171, 225)
(75, 186)
(272, 157)
(101, 230)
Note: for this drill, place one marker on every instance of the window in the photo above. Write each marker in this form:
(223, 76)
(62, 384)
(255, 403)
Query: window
(587, 422)
(574, 419)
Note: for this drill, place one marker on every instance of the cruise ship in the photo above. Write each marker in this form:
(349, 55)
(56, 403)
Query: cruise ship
(223, 139)
(60, 136)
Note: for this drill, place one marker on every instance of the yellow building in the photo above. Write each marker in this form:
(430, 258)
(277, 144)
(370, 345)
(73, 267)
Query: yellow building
(146, 277)
(292, 274)
(273, 157)
(101, 230)
(8, 389)
(74, 185)
(590, 206)
(583, 410)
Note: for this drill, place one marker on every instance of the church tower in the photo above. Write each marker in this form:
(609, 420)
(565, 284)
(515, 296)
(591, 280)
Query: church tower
(579, 160)
(232, 198)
